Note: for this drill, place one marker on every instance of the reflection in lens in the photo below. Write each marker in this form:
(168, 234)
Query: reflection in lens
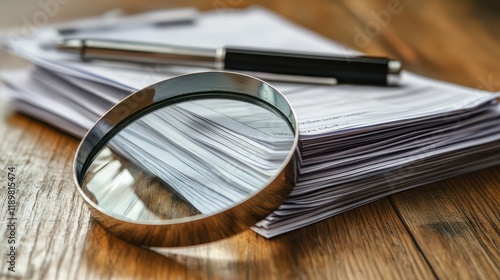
(191, 158)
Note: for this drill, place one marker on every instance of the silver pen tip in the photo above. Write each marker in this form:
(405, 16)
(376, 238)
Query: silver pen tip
(394, 68)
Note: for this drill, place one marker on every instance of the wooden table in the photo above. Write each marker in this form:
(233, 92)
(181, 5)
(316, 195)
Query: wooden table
(447, 230)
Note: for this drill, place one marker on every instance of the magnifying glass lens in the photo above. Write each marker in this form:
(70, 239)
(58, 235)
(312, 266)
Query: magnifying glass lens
(197, 157)
(189, 160)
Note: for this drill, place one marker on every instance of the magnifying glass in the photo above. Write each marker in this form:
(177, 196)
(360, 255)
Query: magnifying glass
(189, 160)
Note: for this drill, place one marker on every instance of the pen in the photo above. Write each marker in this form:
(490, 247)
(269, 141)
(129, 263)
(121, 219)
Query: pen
(265, 64)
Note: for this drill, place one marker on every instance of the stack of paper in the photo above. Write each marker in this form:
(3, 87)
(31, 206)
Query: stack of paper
(357, 143)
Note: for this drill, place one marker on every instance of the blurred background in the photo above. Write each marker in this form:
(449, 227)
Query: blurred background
(456, 41)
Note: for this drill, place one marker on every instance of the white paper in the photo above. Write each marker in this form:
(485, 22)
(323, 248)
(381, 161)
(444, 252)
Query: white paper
(357, 143)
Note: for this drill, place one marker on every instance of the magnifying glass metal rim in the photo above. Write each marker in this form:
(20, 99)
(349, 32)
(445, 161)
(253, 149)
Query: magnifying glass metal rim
(200, 228)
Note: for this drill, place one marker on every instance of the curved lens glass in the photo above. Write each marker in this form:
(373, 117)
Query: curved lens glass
(197, 157)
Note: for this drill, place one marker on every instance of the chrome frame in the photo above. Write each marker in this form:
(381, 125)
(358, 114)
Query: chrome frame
(202, 228)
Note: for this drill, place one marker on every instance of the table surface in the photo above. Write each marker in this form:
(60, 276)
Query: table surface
(449, 229)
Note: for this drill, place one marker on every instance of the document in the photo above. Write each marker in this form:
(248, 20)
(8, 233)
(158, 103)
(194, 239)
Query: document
(357, 143)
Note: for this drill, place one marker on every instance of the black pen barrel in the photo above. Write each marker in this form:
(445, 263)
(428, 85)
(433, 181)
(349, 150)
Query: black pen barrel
(348, 70)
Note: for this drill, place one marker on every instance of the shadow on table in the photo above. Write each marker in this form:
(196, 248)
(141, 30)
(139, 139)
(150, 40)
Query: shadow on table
(247, 255)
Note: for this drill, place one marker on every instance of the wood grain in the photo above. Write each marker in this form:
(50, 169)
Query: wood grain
(59, 239)
(446, 230)
(456, 224)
